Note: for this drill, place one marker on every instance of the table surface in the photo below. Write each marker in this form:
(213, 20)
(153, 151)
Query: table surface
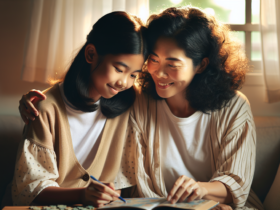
(28, 207)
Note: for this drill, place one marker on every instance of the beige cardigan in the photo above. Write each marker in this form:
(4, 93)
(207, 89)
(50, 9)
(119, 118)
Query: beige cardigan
(233, 149)
(50, 133)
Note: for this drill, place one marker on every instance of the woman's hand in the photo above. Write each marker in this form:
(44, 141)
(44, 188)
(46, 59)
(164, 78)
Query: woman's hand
(222, 207)
(186, 187)
(26, 108)
(98, 194)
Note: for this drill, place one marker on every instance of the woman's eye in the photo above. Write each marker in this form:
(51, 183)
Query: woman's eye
(118, 70)
(153, 60)
(133, 76)
(171, 66)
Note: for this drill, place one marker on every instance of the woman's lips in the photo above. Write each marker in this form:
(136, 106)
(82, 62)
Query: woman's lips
(164, 85)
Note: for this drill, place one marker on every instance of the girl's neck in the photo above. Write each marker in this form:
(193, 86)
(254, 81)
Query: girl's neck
(180, 106)
(93, 93)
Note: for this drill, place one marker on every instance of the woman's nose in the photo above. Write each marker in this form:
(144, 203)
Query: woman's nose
(160, 73)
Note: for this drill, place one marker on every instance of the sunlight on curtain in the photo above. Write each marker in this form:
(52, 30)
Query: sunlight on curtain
(58, 29)
(270, 37)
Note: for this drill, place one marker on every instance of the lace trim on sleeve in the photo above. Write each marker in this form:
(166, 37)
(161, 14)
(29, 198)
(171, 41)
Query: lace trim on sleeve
(36, 168)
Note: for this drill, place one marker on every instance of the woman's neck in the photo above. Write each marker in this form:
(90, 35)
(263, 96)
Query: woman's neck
(180, 106)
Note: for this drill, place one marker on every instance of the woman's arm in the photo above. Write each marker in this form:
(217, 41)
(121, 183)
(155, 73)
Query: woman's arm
(26, 108)
(187, 188)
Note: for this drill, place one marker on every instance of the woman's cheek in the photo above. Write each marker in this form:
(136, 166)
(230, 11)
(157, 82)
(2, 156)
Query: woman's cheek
(151, 67)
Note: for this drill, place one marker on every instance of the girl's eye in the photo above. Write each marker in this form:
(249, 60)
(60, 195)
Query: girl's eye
(133, 76)
(118, 70)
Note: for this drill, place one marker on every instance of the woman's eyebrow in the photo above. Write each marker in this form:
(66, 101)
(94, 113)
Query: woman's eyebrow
(170, 58)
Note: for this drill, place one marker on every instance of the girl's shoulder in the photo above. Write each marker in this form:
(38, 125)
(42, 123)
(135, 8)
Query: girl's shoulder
(52, 117)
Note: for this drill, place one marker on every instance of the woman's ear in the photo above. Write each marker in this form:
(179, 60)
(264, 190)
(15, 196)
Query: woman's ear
(91, 54)
(203, 65)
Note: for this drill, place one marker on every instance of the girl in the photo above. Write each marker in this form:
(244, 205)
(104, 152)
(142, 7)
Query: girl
(82, 124)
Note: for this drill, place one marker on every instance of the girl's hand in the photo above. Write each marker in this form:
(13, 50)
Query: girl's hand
(26, 107)
(186, 187)
(98, 194)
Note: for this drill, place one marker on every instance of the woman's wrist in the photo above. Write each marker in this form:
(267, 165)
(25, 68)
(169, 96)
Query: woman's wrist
(203, 189)
(216, 191)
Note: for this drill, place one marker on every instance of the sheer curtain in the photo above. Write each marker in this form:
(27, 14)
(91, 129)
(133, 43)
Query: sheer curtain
(270, 37)
(58, 29)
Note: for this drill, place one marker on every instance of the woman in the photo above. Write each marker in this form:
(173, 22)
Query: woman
(194, 132)
(82, 124)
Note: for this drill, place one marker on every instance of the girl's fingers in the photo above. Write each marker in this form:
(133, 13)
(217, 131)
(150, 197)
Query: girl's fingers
(111, 185)
(175, 187)
(102, 197)
(104, 189)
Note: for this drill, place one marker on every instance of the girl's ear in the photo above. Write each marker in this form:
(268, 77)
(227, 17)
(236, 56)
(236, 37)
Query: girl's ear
(203, 65)
(91, 54)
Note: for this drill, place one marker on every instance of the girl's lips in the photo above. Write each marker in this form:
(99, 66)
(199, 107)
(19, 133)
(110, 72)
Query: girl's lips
(164, 85)
(113, 90)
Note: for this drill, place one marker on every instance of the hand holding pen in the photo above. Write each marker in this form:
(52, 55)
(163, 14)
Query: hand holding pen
(98, 194)
(104, 184)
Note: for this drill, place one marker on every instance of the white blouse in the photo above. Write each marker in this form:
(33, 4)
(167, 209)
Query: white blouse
(185, 143)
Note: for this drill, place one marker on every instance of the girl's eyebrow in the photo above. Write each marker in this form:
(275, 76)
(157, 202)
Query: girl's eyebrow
(122, 64)
(126, 66)
(170, 58)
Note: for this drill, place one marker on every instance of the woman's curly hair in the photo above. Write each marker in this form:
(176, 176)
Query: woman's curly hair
(200, 35)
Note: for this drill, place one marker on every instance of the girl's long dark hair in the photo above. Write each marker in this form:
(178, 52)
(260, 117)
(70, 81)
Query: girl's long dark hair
(114, 33)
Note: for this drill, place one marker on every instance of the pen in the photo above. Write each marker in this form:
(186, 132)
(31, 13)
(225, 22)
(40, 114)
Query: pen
(120, 197)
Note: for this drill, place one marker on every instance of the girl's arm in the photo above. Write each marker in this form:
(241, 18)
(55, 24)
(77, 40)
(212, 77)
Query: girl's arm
(95, 194)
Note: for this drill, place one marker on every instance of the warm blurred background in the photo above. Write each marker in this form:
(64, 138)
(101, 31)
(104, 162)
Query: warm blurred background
(28, 60)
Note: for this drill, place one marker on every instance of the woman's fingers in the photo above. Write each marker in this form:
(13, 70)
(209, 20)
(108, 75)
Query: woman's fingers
(23, 117)
(188, 192)
(25, 112)
(222, 207)
(185, 189)
(36, 94)
(28, 104)
(180, 187)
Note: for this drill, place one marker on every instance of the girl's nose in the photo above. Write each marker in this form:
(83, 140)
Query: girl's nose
(121, 84)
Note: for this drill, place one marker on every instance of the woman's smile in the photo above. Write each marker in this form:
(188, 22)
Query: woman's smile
(164, 85)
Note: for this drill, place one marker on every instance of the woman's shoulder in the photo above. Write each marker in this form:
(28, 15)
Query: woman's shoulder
(237, 108)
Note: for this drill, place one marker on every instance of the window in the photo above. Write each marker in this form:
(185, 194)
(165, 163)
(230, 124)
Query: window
(241, 15)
